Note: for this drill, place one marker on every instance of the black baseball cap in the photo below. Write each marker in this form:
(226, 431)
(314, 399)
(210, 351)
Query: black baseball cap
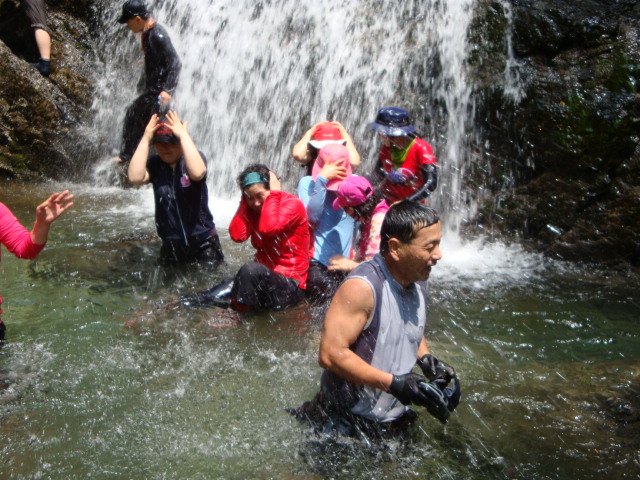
(132, 9)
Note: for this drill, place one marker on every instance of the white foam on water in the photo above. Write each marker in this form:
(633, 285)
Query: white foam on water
(485, 265)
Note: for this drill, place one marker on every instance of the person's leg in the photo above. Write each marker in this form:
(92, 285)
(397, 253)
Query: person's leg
(217, 296)
(209, 251)
(135, 121)
(43, 40)
(321, 283)
(35, 11)
(257, 287)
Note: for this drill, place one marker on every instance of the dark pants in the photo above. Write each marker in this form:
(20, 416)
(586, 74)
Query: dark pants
(35, 11)
(322, 283)
(208, 250)
(327, 418)
(135, 121)
(258, 287)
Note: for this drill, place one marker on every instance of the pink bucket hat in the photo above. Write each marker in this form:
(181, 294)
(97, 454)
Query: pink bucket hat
(333, 151)
(353, 191)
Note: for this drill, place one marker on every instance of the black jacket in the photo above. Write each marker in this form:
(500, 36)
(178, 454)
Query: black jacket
(161, 63)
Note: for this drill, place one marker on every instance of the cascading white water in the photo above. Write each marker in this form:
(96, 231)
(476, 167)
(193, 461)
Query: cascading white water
(257, 74)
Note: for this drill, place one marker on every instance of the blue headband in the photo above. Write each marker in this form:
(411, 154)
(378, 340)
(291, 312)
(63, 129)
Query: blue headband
(253, 177)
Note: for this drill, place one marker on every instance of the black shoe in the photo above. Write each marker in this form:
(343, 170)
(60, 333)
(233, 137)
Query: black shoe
(218, 296)
(43, 66)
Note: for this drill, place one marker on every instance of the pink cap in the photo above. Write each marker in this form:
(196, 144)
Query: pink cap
(353, 191)
(333, 152)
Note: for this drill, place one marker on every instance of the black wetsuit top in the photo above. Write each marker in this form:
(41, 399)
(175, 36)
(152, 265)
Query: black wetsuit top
(182, 204)
(161, 63)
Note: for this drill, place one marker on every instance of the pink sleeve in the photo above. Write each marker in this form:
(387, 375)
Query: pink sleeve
(15, 237)
(373, 242)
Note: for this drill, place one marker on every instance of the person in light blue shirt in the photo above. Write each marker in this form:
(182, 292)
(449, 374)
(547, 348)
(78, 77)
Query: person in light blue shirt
(332, 230)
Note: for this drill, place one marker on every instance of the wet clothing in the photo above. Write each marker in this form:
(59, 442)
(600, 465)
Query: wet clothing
(256, 286)
(405, 173)
(321, 282)
(389, 342)
(36, 12)
(161, 72)
(183, 219)
(369, 244)
(331, 234)
(18, 241)
(161, 63)
(280, 234)
(332, 229)
(327, 418)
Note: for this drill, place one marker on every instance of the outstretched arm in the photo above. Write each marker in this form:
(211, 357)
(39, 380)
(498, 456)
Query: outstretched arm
(47, 212)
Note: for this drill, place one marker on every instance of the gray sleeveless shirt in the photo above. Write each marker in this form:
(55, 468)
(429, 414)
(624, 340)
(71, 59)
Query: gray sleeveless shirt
(389, 342)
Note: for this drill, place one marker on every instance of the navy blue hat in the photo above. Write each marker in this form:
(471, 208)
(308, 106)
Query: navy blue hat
(132, 9)
(442, 401)
(392, 122)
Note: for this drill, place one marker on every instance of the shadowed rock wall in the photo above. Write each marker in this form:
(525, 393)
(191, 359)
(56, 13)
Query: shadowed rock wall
(563, 164)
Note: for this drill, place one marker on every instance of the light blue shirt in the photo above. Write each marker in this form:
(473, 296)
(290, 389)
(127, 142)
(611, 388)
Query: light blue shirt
(332, 229)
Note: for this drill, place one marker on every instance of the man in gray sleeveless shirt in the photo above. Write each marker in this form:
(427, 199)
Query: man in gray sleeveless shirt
(373, 334)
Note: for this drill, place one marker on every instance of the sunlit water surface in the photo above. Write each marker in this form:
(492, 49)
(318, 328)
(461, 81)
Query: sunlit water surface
(102, 378)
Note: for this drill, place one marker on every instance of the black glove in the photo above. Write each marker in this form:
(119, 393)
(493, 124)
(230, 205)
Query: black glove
(436, 370)
(406, 389)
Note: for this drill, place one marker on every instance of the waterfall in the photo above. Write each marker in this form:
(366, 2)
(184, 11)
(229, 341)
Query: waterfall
(257, 74)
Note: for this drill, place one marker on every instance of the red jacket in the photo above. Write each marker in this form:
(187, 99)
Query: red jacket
(280, 234)
(419, 154)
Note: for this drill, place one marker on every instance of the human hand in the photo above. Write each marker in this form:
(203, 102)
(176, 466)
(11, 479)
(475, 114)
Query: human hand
(151, 128)
(406, 388)
(436, 370)
(340, 263)
(274, 182)
(172, 120)
(54, 206)
(164, 98)
(333, 169)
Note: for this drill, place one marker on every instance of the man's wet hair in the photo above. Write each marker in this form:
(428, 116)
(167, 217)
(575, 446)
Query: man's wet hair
(404, 220)
(259, 168)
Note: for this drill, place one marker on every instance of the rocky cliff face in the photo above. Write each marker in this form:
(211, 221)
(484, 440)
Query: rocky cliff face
(563, 163)
(41, 118)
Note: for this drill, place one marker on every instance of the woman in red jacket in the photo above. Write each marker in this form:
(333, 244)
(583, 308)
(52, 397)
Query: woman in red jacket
(277, 224)
(25, 244)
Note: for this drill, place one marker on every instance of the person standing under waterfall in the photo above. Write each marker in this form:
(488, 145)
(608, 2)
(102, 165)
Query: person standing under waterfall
(178, 174)
(406, 165)
(373, 336)
(277, 224)
(331, 229)
(320, 135)
(161, 71)
(28, 244)
(36, 12)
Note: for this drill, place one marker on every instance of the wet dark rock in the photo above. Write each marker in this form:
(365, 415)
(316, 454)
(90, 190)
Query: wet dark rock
(564, 158)
(41, 118)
